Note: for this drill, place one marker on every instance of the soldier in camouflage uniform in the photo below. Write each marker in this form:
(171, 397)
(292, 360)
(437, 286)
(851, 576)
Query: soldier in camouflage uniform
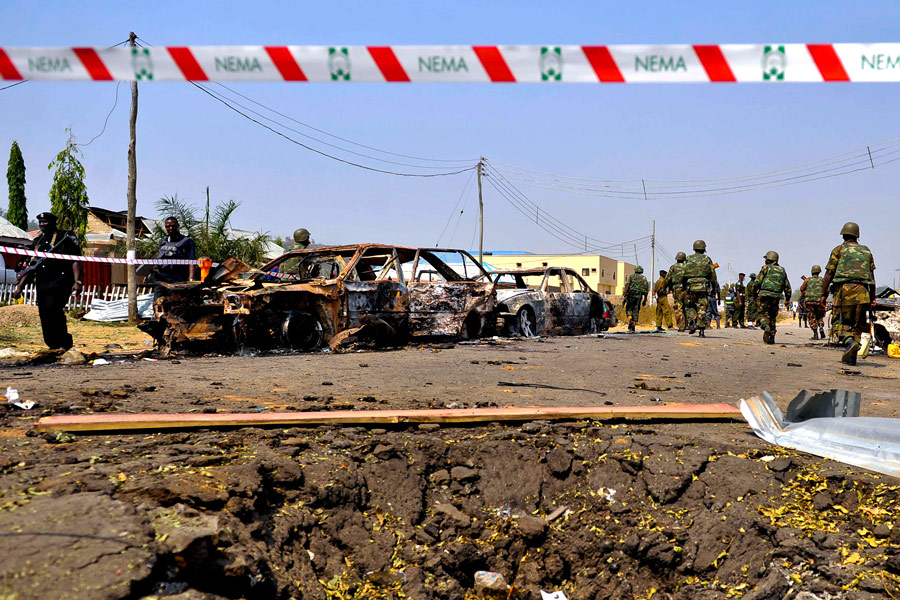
(675, 281)
(773, 283)
(699, 277)
(752, 309)
(663, 308)
(850, 273)
(740, 301)
(636, 289)
(811, 291)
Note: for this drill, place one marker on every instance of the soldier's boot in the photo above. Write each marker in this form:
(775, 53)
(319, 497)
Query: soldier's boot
(631, 325)
(701, 333)
(815, 334)
(849, 356)
(658, 328)
(822, 332)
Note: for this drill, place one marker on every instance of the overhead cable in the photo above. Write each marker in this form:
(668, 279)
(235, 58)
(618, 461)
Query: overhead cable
(325, 154)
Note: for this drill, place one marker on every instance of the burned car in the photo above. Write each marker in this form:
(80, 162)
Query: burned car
(306, 299)
(549, 300)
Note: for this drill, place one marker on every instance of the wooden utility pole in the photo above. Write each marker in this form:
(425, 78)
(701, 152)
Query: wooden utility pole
(480, 216)
(132, 198)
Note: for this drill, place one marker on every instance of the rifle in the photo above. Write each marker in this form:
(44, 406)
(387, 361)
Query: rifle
(23, 276)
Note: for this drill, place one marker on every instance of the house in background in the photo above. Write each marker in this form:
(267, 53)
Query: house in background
(105, 230)
(11, 237)
(605, 275)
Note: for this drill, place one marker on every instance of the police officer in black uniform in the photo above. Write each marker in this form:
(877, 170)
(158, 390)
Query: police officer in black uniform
(55, 280)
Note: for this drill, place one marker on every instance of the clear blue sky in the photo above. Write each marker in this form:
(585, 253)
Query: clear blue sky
(187, 141)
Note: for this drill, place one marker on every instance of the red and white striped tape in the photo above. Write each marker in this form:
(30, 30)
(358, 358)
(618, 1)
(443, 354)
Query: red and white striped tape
(682, 63)
(98, 259)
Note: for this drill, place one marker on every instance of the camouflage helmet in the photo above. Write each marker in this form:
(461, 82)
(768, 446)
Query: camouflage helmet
(301, 236)
(816, 269)
(639, 269)
(752, 275)
(680, 257)
(850, 228)
(772, 255)
(699, 245)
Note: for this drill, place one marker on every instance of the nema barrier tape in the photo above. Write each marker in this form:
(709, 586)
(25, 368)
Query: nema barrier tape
(98, 259)
(677, 63)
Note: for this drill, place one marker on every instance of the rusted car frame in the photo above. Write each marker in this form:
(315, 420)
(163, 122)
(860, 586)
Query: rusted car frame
(304, 298)
(549, 300)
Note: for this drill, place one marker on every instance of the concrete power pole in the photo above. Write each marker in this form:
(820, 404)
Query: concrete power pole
(132, 198)
(652, 277)
(480, 215)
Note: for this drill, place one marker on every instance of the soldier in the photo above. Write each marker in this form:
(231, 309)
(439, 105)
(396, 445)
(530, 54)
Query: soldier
(636, 289)
(301, 239)
(675, 281)
(740, 301)
(751, 301)
(663, 308)
(815, 311)
(773, 283)
(850, 273)
(699, 275)
(730, 319)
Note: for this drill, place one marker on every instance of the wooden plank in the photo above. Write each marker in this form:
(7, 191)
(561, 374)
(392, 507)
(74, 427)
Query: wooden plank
(122, 422)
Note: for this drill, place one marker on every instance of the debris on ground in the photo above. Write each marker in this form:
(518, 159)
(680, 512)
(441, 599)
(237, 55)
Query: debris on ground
(869, 442)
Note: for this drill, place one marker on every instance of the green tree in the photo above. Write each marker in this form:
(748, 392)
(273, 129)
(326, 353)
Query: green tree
(68, 194)
(212, 234)
(17, 214)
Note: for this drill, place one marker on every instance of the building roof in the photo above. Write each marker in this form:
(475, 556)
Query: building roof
(8, 230)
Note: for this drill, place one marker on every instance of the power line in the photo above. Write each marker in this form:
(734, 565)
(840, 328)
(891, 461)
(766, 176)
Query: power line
(325, 154)
(337, 137)
(13, 85)
(353, 152)
(102, 131)
(453, 211)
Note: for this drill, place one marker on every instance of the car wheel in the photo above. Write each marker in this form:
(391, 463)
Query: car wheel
(525, 324)
(302, 331)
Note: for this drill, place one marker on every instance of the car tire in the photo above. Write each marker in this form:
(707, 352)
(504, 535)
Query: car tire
(302, 331)
(525, 322)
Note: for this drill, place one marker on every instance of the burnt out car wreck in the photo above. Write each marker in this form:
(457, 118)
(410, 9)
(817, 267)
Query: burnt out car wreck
(338, 296)
(549, 300)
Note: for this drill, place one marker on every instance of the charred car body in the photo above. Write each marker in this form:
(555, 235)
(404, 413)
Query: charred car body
(305, 299)
(549, 300)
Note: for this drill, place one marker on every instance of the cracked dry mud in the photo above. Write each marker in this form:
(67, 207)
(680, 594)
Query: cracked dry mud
(640, 509)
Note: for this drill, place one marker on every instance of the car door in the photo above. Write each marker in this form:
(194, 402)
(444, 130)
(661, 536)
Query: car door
(558, 300)
(375, 286)
(581, 300)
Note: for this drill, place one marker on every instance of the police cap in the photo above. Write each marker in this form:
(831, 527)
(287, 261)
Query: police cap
(46, 216)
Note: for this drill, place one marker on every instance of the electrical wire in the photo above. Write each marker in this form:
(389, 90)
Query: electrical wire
(14, 85)
(102, 131)
(337, 137)
(325, 154)
(282, 125)
(453, 210)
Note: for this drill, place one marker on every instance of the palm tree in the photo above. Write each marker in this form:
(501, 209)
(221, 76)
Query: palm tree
(213, 236)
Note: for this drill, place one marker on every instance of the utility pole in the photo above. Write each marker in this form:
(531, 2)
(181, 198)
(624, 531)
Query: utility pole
(653, 262)
(635, 255)
(480, 215)
(132, 199)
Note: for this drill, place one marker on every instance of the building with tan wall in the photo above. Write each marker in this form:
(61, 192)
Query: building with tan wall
(604, 274)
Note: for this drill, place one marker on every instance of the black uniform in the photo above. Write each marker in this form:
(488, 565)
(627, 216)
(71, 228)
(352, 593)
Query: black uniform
(53, 281)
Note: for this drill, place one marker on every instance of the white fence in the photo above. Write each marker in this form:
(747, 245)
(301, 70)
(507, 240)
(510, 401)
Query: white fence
(80, 301)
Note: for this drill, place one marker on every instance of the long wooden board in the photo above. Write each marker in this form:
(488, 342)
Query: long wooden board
(125, 422)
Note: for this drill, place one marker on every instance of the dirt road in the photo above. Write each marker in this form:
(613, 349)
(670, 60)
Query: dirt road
(640, 510)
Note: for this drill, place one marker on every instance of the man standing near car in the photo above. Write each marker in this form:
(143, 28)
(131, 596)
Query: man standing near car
(175, 245)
